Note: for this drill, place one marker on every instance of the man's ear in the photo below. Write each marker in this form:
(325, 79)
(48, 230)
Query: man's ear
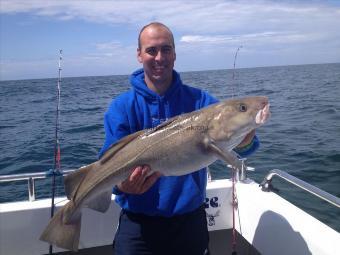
(139, 57)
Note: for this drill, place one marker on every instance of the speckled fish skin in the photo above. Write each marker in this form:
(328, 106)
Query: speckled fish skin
(176, 147)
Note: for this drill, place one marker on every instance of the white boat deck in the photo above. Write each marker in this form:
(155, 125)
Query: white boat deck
(269, 223)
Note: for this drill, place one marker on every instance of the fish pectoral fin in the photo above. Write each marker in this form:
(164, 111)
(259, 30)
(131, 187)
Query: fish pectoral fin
(226, 156)
(73, 180)
(101, 203)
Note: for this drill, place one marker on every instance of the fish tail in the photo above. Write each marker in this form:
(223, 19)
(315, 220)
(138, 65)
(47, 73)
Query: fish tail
(61, 231)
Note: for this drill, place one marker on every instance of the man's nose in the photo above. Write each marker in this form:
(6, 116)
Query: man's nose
(159, 55)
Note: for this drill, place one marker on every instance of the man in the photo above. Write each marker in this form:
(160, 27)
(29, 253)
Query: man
(160, 215)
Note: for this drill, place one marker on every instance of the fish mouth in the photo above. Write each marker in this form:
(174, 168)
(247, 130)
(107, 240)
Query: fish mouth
(262, 115)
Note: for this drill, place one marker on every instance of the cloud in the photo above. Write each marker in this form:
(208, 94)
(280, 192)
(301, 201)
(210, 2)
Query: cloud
(210, 21)
(227, 38)
(113, 51)
(112, 46)
(213, 16)
(208, 17)
(213, 28)
(254, 39)
(110, 12)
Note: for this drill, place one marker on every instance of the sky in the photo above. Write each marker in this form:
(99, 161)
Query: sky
(100, 37)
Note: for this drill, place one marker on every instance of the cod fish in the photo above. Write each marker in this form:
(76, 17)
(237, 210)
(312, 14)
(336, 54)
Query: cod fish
(179, 146)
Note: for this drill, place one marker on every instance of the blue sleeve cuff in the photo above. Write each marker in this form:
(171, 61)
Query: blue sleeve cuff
(249, 149)
(116, 191)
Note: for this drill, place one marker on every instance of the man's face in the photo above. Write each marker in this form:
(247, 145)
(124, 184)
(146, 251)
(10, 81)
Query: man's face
(157, 54)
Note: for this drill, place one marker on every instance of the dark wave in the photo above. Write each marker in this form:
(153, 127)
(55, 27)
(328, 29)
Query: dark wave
(87, 128)
(265, 92)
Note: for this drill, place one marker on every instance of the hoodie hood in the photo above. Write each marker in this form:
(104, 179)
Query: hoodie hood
(137, 80)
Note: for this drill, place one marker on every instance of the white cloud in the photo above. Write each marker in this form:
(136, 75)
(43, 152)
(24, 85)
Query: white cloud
(113, 52)
(227, 38)
(204, 20)
(212, 28)
(196, 16)
(212, 16)
(263, 38)
(112, 46)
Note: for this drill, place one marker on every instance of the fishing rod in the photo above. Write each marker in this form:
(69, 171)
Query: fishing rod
(234, 197)
(56, 169)
(235, 57)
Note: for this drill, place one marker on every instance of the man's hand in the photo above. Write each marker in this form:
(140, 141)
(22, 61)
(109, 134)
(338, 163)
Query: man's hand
(139, 180)
(247, 140)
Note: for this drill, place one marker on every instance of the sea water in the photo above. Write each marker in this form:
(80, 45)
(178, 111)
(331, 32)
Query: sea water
(302, 136)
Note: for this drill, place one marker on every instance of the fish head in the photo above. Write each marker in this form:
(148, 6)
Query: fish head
(232, 120)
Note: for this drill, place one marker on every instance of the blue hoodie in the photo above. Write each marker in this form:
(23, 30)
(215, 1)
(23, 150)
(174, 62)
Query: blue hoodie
(141, 108)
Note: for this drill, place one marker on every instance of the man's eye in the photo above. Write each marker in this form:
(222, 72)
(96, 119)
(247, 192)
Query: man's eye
(151, 51)
(166, 50)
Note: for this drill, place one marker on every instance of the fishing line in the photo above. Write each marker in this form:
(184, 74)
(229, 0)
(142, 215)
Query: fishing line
(239, 218)
(57, 158)
(61, 201)
(233, 241)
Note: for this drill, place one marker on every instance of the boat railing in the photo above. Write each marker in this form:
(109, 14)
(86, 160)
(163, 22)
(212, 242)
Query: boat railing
(266, 185)
(30, 178)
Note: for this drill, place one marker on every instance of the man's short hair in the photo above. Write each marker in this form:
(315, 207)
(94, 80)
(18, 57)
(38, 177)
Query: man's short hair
(156, 24)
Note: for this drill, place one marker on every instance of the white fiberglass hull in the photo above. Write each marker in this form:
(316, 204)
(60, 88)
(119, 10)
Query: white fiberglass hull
(269, 223)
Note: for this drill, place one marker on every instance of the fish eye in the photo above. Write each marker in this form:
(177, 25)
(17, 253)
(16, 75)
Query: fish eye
(242, 108)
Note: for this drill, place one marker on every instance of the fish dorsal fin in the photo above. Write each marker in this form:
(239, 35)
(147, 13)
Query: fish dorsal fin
(73, 180)
(119, 145)
(129, 138)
